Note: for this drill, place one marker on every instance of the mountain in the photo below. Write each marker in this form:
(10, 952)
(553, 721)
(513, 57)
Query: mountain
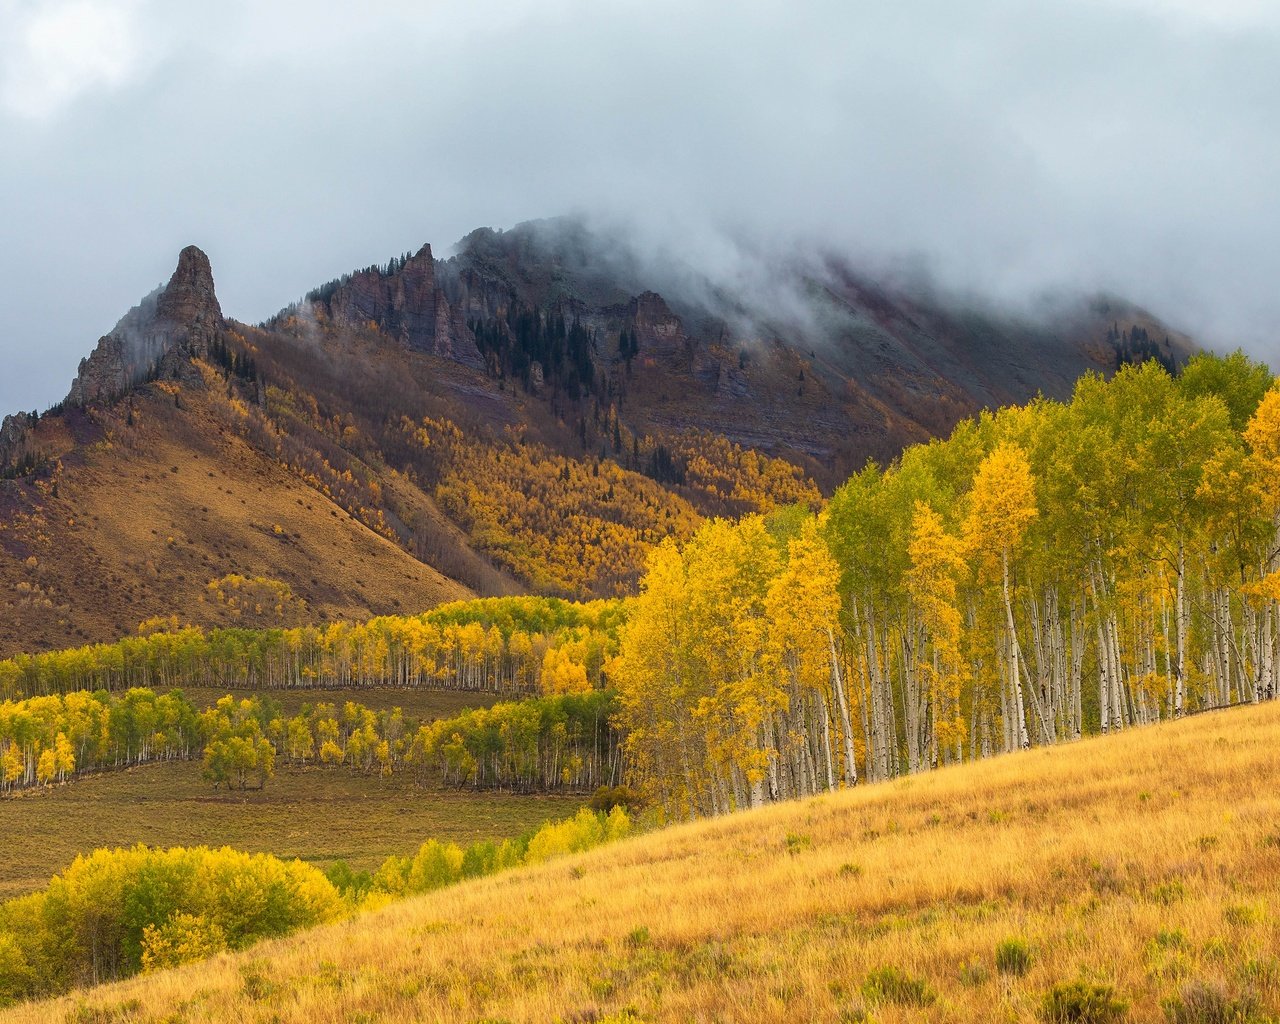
(532, 413)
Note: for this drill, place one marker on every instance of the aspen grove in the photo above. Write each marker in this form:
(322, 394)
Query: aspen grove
(1046, 571)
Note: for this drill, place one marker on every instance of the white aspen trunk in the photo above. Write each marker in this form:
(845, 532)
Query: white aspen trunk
(1267, 655)
(825, 724)
(1006, 707)
(1015, 652)
(842, 707)
(910, 698)
(882, 708)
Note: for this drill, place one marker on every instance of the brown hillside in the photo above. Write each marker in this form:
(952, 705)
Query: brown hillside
(138, 519)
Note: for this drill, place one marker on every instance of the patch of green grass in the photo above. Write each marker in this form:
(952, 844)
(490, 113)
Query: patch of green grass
(417, 703)
(1080, 1002)
(317, 814)
(1209, 1002)
(890, 985)
(797, 843)
(1013, 956)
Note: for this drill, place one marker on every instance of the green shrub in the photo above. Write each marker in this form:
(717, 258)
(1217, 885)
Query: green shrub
(354, 885)
(1013, 956)
(796, 843)
(1242, 915)
(1080, 1002)
(606, 798)
(890, 985)
(435, 865)
(638, 937)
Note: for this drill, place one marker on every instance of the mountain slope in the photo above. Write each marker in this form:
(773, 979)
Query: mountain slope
(138, 522)
(526, 415)
(1113, 865)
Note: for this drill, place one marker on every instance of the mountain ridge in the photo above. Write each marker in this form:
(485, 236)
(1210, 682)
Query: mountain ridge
(524, 415)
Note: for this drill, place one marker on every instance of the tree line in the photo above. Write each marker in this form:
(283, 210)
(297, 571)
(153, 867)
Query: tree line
(1046, 571)
(557, 742)
(498, 645)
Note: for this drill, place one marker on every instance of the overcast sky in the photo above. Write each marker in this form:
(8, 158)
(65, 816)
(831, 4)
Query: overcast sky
(1011, 145)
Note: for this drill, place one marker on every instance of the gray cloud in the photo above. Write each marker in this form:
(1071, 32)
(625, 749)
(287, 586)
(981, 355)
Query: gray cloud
(1009, 146)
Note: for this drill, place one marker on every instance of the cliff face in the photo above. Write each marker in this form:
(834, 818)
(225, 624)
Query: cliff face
(657, 328)
(156, 337)
(407, 305)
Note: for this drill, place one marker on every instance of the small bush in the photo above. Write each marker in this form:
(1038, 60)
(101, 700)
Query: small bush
(972, 975)
(1082, 1003)
(1242, 915)
(1201, 1002)
(1169, 892)
(1171, 939)
(638, 937)
(256, 978)
(796, 843)
(606, 798)
(890, 985)
(1013, 956)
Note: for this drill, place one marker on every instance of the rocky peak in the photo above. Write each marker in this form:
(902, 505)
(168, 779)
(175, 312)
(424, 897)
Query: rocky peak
(189, 297)
(155, 338)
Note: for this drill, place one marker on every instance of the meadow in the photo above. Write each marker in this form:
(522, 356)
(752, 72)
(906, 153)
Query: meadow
(1132, 877)
(317, 814)
(419, 703)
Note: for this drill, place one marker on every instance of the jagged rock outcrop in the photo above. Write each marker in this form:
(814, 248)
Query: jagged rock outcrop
(155, 338)
(407, 305)
(15, 439)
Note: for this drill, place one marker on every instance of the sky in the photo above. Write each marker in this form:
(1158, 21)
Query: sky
(1011, 147)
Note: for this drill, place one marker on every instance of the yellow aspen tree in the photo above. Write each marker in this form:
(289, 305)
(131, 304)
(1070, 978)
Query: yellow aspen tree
(730, 566)
(665, 748)
(561, 674)
(802, 607)
(1262, 435)
(1002, 505)
(937, 562)
(64, 757)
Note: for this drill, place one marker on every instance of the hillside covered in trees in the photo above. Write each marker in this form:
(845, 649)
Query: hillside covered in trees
(1047, 571)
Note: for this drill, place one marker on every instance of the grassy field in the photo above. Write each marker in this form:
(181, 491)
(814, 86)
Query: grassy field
(1147, 864)
(320, 815)
(419, 704)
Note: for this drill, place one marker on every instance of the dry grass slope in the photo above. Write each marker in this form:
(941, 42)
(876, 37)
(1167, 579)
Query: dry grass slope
(1149, 862)
(140, 525)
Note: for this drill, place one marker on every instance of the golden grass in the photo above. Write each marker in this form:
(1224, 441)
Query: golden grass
(1144, 861)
